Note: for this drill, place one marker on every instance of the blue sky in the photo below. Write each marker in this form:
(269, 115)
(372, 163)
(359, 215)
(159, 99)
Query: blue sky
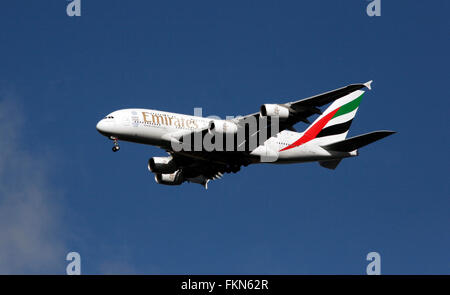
(62, 189)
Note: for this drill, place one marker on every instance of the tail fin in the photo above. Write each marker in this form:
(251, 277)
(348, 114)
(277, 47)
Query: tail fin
(338, 117)
(334, 123)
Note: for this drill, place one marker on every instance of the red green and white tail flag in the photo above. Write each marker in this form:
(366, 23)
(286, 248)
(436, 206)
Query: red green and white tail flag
(334, 123)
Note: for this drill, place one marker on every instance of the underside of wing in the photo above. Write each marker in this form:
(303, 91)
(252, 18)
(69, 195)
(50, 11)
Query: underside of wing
(196, 167)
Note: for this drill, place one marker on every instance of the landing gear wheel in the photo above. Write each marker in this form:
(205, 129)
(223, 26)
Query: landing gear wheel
(116, 146)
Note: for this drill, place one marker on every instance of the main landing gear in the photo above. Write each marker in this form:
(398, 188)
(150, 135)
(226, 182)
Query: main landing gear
(116, 146)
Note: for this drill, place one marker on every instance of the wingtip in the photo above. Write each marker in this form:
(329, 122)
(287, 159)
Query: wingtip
(368, 84)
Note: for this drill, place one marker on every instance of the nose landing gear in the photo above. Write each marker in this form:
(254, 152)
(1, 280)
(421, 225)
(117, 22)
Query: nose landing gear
(116, 146)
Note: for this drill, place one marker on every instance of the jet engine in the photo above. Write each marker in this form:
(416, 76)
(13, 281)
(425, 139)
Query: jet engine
(175, 178)
(161, 165)
(222, 126)
(271, 110)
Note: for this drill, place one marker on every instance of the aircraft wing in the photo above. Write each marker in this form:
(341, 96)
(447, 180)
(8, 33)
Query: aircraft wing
(302, 109)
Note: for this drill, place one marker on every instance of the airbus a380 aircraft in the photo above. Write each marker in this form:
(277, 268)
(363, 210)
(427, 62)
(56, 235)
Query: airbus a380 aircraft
(266, 136)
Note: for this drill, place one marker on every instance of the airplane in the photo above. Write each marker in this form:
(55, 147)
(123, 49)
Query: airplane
(272, 139)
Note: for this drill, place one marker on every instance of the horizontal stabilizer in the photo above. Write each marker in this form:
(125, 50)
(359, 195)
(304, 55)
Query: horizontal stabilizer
(332, 164)
(357, 142)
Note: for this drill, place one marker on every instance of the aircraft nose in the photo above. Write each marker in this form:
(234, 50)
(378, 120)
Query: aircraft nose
(99, 126)
(106, 126)
(103, 127)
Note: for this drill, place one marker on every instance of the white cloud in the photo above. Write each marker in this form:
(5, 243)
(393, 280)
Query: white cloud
(30, 220)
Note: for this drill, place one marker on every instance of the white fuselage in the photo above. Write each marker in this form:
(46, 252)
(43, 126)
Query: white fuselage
(161, 128)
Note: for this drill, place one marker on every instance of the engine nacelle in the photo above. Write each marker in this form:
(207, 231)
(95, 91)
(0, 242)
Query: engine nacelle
(222, 127)
(270, 110)
(175, 178)
(162, 165)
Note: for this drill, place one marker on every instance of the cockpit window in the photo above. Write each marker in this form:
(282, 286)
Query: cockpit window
(109, 117)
